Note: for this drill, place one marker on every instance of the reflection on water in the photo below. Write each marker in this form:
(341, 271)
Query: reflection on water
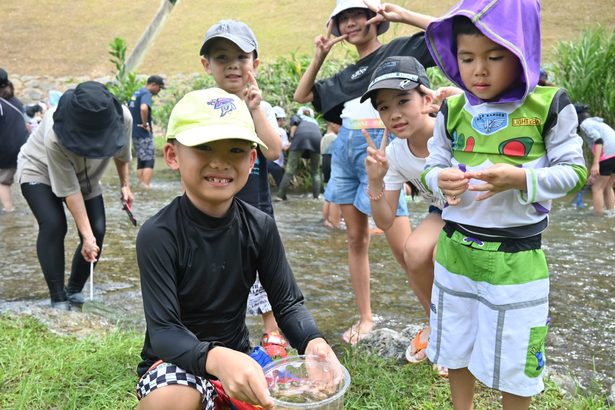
(580, 249)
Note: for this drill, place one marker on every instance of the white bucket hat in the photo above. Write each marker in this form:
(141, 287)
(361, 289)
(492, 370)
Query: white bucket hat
(342, 5)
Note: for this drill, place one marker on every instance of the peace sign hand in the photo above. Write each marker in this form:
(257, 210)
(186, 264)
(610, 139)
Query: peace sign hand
(252, 95)
(376, 163)
(384, 12)
(324, 43)
(437, 97)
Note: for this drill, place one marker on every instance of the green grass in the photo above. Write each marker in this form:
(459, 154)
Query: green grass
(58, 37)
(40, 370)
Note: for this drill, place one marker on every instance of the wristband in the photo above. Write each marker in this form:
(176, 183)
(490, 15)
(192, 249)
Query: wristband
(376, 197)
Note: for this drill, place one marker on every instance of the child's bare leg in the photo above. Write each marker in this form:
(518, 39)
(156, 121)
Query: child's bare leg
(462, 388)
(598, 194)
(513, 402)
(357, 233)
(172, 397)
(6, 198)
(396, 235)
(418, 255)
(269, 323)
(609, 194)
(335, 215)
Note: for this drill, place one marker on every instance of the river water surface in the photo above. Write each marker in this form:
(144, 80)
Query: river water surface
(580, 249)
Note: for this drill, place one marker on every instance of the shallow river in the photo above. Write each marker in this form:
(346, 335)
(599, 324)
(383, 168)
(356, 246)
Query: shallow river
(579, 247)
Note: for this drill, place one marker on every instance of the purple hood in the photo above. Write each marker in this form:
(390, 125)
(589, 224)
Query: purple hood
(514, 24)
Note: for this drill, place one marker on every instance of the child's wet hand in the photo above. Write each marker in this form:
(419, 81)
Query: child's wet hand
(241, 376)
(252, 95)
(384, 12)
(331, 373)
(498, 178)
(453, 183)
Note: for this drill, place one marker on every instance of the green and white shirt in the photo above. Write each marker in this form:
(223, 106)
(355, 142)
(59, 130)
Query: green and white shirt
(538, 134)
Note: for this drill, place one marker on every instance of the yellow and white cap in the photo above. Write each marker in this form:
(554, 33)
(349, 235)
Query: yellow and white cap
(210, 115)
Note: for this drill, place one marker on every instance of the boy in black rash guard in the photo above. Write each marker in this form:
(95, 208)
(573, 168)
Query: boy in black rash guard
(198, 258)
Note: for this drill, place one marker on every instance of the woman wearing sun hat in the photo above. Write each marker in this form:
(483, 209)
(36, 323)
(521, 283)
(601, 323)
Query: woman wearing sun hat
(63, 162)
(337, 98)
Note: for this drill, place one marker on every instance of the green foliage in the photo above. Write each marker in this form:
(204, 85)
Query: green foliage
(277, 81)
(437, 79)
(125, 83)
(584, 67)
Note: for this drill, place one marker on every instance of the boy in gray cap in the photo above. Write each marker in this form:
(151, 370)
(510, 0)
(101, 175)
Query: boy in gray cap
(230, 54)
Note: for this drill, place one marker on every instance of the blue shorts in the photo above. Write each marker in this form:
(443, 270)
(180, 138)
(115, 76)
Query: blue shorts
(348, 183)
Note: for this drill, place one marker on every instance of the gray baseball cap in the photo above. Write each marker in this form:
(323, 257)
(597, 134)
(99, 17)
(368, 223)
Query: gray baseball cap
(233, 30)
(397, 73)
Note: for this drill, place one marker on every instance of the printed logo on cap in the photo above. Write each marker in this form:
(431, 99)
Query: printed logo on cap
(225, 105)
(223, 28)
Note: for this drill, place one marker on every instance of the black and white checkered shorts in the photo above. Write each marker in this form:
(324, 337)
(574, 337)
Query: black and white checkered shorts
(166, 374)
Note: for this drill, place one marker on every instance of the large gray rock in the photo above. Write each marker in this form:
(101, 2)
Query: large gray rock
(386, 343)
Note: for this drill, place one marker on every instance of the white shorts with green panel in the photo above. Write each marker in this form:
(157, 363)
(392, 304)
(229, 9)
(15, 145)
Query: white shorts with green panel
(489, 310)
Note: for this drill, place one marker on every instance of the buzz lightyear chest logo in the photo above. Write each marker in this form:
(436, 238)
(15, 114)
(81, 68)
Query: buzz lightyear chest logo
(225, 105)
(359, 73)
(490, 123)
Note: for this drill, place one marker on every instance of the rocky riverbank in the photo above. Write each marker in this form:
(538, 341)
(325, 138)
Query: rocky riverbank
(30, 89)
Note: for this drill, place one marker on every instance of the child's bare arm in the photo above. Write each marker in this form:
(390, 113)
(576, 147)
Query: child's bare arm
(498, 178)
(303, 93)
(395, 13)
(264, 129)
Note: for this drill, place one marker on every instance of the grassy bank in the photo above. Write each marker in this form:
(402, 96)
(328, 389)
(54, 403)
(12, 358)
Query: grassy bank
(76, 34)
(40, 370)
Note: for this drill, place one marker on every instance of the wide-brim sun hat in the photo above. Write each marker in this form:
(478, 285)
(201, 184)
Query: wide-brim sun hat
(89, 121)
(209, 115)
(342, 5)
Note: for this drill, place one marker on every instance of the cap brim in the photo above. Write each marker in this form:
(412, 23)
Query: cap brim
(245, 46)
(391, 84)
(202, 135)
(382, 27)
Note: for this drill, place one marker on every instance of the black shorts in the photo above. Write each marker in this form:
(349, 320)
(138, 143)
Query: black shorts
(607, 167)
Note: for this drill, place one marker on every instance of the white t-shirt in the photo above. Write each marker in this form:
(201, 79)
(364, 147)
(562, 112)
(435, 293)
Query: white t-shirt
(404, 166)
